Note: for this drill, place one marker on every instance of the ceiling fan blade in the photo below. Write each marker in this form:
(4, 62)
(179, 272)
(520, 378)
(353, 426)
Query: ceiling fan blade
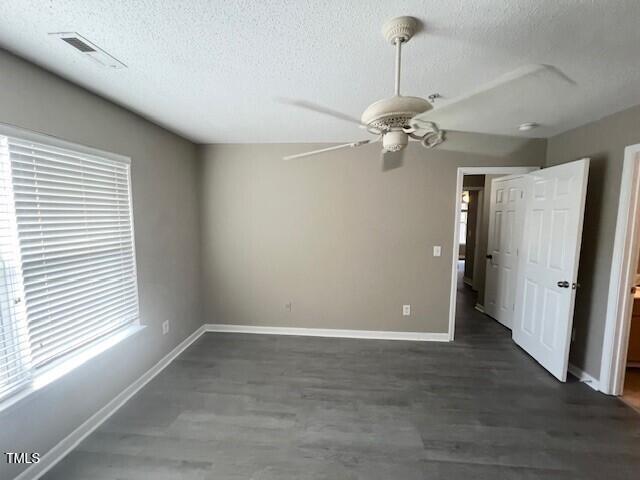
(391, 160)
(320, 109)
(328, 149)
(533, 93)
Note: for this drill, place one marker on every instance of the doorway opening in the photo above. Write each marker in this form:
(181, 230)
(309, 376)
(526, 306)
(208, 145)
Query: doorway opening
(471, 240)
(620, 365)
(533, 251)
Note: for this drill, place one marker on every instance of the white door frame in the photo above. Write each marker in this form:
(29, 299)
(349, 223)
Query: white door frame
(623, 270)
(462, 171)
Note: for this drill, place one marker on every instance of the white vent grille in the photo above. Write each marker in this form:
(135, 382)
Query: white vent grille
(78, 44)
(88, 49)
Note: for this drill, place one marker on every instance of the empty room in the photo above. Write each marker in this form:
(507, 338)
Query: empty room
(321, 240)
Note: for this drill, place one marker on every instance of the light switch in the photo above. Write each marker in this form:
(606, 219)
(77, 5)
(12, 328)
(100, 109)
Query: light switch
(406, 310)
(437, 250)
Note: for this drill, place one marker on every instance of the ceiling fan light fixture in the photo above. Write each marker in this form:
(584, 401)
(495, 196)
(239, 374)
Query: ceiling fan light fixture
(394, 141)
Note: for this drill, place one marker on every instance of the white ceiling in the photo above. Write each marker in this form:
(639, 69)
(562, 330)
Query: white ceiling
(209, 70)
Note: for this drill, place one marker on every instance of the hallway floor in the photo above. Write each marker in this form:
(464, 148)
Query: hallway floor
(631, 393)
(260, 407)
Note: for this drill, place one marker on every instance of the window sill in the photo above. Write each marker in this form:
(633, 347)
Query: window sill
(59, 369)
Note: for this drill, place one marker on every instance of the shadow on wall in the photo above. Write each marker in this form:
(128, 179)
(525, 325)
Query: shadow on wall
(584, 306)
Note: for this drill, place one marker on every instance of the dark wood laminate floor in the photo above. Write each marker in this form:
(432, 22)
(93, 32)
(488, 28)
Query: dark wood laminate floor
(238, 406)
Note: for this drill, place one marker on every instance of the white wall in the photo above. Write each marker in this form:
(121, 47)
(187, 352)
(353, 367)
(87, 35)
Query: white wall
(165, 209)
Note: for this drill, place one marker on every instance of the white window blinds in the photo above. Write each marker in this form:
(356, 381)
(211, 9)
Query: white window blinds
(15, 361)
(72, 248)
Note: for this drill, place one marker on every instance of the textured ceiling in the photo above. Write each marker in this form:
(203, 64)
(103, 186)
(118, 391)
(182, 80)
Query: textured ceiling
(209, 70)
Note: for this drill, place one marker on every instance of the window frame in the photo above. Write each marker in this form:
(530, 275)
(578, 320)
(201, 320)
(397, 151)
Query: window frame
(56, 369)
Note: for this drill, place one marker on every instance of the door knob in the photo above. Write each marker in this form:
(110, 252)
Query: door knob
(489, 257)
(563, 284)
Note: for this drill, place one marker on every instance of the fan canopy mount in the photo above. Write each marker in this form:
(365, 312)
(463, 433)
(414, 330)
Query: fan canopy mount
(400, 28)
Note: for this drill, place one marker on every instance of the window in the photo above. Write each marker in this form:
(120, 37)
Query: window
(67, 257)
(463, 218)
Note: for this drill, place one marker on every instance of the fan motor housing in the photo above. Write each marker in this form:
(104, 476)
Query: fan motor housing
(394, 113)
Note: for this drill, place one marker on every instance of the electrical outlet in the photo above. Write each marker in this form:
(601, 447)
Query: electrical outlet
(288, 307)
(165, 327)
(437, 250)
(406, 310)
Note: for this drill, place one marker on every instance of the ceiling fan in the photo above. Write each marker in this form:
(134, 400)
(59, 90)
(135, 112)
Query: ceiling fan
(535, 90)
(393, 120)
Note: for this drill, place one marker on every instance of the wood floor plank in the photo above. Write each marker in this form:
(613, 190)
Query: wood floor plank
(261, 407)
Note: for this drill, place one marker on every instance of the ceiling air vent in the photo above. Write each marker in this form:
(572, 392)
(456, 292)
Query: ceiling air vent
(88, 49)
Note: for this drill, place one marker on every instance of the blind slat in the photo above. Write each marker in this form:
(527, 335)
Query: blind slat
(97, 263)
(54, 329)
(67, 286)
(78, 311)
(73, 342)
(63, 158)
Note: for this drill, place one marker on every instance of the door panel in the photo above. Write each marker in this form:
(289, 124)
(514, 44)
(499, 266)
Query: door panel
(505, 230)
(552, 234)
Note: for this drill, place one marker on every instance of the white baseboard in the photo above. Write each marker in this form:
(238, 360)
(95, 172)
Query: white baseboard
(57, 453)
(479, 308)
(584, 377)
(329, 332)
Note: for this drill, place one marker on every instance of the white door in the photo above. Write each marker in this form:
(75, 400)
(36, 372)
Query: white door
(505, 231)
(548, 266)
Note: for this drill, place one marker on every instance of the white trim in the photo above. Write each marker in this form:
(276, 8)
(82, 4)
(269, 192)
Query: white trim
(39, 137)
(623, 272)
(462, 171)
(584, 377)
(328, 332)
(57, 453)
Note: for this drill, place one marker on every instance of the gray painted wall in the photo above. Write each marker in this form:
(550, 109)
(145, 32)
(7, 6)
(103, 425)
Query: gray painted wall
(165, 208)
(344, 242)
(604, 142)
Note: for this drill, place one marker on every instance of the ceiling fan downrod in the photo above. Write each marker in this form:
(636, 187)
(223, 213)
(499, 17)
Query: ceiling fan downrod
(398, 63)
